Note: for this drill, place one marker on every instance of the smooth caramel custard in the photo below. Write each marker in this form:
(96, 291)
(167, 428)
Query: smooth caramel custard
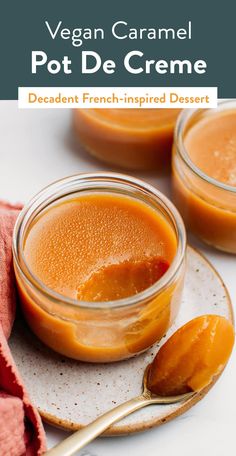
(192, 357)
(128, 138)
(208, 206)
(99, 247)
(139, 119)
(211, 145)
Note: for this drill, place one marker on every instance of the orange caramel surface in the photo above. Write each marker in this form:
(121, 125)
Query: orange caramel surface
(192, 356)
(211, 145)
(137, 119)
(209, 209)
(99, 247)
(121, 280)
(129, 138)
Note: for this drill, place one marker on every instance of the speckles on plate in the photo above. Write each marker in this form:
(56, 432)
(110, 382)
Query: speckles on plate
(70, 394)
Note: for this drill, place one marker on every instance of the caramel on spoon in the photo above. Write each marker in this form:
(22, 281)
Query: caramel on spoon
(184, 365)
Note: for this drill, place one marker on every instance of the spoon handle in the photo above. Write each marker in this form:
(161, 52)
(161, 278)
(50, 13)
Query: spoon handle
(82, 437)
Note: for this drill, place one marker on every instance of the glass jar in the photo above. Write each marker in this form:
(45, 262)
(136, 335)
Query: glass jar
(128, 138)
(207, 205)
(99, 331)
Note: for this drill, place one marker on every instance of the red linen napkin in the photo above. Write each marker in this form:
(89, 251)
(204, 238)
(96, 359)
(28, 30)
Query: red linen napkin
(21, 430)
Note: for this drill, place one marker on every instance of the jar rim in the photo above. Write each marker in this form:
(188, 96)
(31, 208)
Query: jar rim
(182, 120)
(65, 183)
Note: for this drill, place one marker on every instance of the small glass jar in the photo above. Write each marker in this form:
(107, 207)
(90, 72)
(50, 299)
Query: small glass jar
(128, 138)
(99, 331)
(207, 205)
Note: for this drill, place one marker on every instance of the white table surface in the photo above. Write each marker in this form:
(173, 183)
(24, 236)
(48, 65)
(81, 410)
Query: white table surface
(37, 147)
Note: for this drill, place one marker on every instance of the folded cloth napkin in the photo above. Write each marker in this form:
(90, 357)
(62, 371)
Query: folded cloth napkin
(21, 430)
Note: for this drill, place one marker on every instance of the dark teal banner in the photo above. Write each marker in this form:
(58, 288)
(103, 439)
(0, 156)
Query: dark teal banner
(117, 43)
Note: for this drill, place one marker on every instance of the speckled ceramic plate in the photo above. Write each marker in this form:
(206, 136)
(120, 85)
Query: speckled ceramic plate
(70, 394)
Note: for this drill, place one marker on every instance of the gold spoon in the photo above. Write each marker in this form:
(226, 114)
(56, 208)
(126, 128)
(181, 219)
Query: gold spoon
(82, 437)
(206, 330)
